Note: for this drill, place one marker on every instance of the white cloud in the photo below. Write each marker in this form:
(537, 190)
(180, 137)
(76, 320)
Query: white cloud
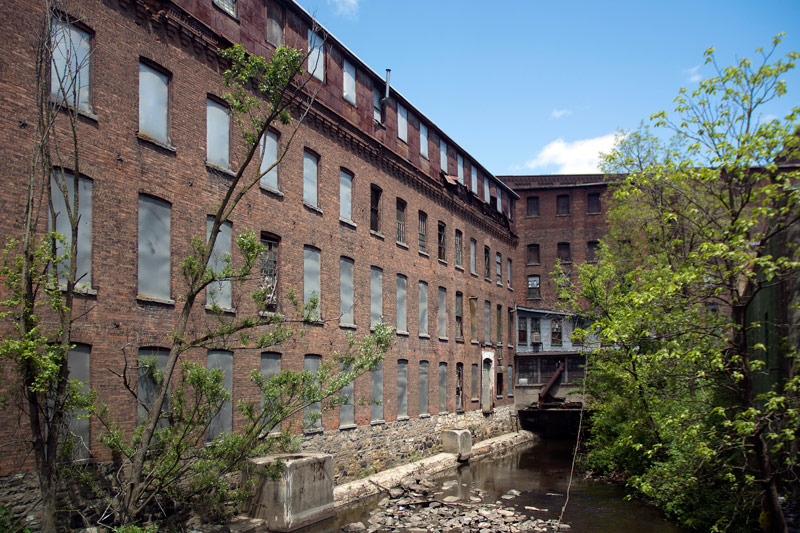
(558, 113)
(694, 74)
(347, 8)
(577, 157)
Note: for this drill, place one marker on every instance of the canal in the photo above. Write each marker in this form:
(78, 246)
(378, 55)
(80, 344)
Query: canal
(540, 472)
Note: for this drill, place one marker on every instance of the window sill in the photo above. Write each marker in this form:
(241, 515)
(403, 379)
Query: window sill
(499, 283)
(474, 400)
(347, 426)
(346, 222)
(161, 144)
(563, 215)
(352, 104)
(379, 124)
(314, 431)
(531, 216)
(271, 190)
(402, 333)
(377, 234)
(155, 300)
(459, 267)
(499, 397)
(460, 339)
(424, 254)
(476, 343)
(268, 314)
(425, 415)
(380, 422)
(475, 274)
(594, 213)
(510, 288)
(402, 418)
(442, 261)
(347, 326)
(424, 336)
(444, 339)
(537, 298)
(443, 413)
(218, 169)
(86, 113)
(227, 310)
(313, 208)
(401, 244)
(533, 264)
(84, 289)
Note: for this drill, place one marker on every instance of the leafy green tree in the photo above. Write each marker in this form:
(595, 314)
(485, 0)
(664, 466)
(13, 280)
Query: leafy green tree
(690, 250)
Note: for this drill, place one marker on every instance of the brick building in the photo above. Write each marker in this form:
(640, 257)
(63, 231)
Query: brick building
(374, 208)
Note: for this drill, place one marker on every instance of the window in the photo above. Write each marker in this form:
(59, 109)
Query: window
(423, 229)
(346, 308)
(269, 160)
(62, 195)
(402, 284)
(375, 296)
(498, 267)
(499, 199)
(487, 322)
(510, 327)
(402, 388)
(228, 6)
(347, 412)
(311, 281)
(442, 241)
(153, 103)
(375, 208)
(562, 204)
(474, 391)
(401, 221)
(460, 167)
(423, 308)
(533, 257)
(499, 325)
(69, 65)
(423, 387)
(499, 385)
(459, 387)
(377, 112)
(487, 265)
(442, 388)
(536, 332)
(376, 392)
(473, 268)
(592, 247)
(349, 76)
(473, 319)
(275, 20)
(270, 364)
(593, 203)
(486, 191)
(312, 412)
(459, 316)
(563, 252)
(269, 272)
(402, 123)
(555, 332)
(345, 195)
(151, 361)
(223, 420)
(154, 248)
(423, 140)
(459, 248)
(442, 313)
(522, 330)
(310, 165)
(533, 288)
(316, 56)
(78, 368)
(532, 206)
(508, 272)
(218, 125)
(219, 292)
(474, 176)
(443, 155)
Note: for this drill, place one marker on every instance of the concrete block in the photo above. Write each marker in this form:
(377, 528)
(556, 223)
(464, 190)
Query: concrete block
(302, 493)
(458, 441)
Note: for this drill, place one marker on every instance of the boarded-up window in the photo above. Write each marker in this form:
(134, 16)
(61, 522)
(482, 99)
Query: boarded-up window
(62, 194)
(219, 292)
(474, 380)
(151, 363)
(442, 388)
(474, 177)
(375, 193)
(218, 125)
(423, 308)
(78, 366)
(423, 232)
(269, 157)
(442, 313)
(223, 420)
(310, 163)
(154, 248)
(153, 103)
(423, 387)
(592, 248)
(69, 65)
(533, 288)
(400, 215)
(376, 392)
(346, 408)
(564, 253)
(562, 204)
(345, 195)
(593, 203)
(275, 18)
(312, 412)
(346, 308)
(459, 247)
(375, 296)
(443, 155)
(316, 56)
(311, 279)
(423, 140)
(402, 388)
(402, 283)
(349, 89)
(473, 319)
(460, 167)
(532, 206)
(487, 322)
(402, 123)
(459, 316)
(473, 268)
(533, 257)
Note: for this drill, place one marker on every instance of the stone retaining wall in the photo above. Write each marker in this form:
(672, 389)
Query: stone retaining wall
(364, 450)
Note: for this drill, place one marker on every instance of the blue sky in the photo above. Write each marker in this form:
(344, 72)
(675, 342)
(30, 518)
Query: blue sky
(539, 87)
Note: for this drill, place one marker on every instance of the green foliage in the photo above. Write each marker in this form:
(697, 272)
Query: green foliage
(676, 409)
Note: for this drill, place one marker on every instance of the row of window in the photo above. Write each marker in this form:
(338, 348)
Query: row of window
(593, 205)
(563, 252)
(529, 331)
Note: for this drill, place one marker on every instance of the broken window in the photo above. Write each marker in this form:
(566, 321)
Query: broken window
(153, 103)
(402, 323)
(508, 272)
(442, 241)
(460, 167)
(218, 292)
(459, 387)
(69, 64)
(499, 325)
(401, 221)
(377, 112)
(499, 384)
(555, 332)
(487, 266)
(218, 125)
(269, 271)
(498, 268)
(154, 248)
(458, 249)
(223, 420)
(346, 307)
(62, 194)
